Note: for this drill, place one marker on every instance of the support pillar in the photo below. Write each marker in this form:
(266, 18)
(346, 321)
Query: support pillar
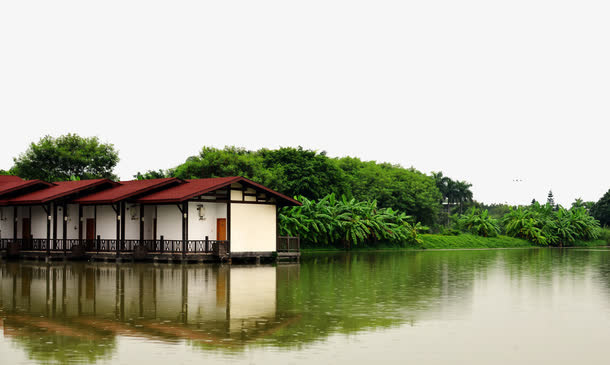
(48, 212)
(122, 225)
(117, 210)
(80, 224)
(141, 224)
(15, 220)
(64, 231)
(185, 227)
(54, 226)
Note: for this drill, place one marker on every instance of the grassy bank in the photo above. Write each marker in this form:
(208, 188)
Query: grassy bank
(462, 241)
(436, 241)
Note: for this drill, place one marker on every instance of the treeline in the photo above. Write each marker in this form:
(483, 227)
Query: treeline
(343, 223)
(314, 175)
(346, 222)
(291, 171)
(544, 225)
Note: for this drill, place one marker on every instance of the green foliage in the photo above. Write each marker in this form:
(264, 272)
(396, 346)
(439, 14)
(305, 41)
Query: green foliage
(393, 186)
(547, 225)
(152, 174)
(453, 191)
(296, 171)
(66, 157)
(434, 241)
(480, 223)
(579, 203)
(605, 235)
(601, 209)
(347, 222)
(302, 172)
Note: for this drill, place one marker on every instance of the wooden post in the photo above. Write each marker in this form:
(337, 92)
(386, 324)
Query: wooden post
(80, 224)
(185, 227)
(161, 243)
(141, 224)
(207, 244)
(122, 225)
(54, 226)
(15, 220)
(117, 210)
(98, 243)
(48, 211)
(64, 232)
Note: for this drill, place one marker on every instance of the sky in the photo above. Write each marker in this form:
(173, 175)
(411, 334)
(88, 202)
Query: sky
(511, 96)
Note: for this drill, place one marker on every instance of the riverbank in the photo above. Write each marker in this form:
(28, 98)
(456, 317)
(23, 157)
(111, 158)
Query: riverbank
(462, 241)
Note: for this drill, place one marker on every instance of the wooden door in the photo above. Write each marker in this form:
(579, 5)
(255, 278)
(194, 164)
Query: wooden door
(221, 229)
(90, 231)
(26, 229)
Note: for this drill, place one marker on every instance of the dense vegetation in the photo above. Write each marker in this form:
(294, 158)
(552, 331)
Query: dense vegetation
(67, 157)
(332, 222)
(347, 222)
(381, 203)
(313, 175)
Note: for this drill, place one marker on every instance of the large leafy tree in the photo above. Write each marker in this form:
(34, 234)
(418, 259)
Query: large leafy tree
(66, 157)
(298, 171)
(393, 186)
(214, 162)
(601, 209)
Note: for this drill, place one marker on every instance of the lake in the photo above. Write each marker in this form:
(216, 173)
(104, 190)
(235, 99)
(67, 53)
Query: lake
(549, 306)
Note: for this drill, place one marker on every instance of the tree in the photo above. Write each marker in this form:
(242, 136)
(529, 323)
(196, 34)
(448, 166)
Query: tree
(601, 209)
(550, 200)
(298, 171)
(152, 174)
(66, 157)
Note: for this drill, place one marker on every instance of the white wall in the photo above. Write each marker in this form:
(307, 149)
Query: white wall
(105, 224)
(149, 216)
(253, 227)
(6, 222)
(72, 225)
(169, 222)
(199, 228)
(236, 195)
(39, 222)
(132, 223)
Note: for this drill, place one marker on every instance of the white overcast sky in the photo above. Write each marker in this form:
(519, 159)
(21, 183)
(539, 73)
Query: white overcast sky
(485, 91)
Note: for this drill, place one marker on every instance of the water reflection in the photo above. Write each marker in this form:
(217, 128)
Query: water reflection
(65, 312)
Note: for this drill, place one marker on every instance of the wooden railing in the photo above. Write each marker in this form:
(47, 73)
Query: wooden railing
(100, 245)
(288, 244)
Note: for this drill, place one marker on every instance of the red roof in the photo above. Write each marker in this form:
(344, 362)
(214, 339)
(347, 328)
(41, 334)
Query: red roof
(10, 184)
(126, 189)
(58, 190)
(196, 187)
(9, 178)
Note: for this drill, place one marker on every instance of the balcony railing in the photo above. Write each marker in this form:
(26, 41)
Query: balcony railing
(124, 246)
(288, 244)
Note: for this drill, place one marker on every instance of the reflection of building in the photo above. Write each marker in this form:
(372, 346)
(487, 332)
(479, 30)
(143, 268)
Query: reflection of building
(89, 301)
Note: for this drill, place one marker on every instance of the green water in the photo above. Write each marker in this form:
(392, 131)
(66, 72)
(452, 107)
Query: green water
(472, 307)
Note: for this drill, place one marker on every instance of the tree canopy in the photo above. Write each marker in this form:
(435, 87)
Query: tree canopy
(314, 175)
(66, 157)
(601, 209)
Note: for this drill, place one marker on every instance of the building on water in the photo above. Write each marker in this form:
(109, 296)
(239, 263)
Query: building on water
(158, 219)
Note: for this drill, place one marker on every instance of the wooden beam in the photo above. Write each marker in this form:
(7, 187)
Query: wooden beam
(80, 224)
(48, 209)
(54, 225)
(122, 224)
(185, 227)
(15, 220)
(141, 224)
(64, 232)
(118, 229)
